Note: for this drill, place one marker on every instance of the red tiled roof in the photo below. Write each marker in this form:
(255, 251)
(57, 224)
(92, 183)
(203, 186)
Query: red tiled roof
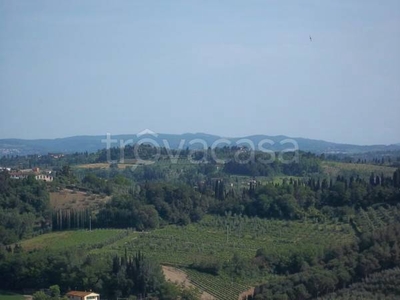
(78, 294)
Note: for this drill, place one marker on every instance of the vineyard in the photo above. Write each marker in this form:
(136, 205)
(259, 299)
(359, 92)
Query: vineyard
(218, 238)
(375, 218)
(83, 238)
(215, 239)
(221, 287)
(333, 169)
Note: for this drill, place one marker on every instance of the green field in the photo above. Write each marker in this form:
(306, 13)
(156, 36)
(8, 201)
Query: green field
(221, 287)
(4, 295)
(220, 237)
(333, 169)
(82, 238)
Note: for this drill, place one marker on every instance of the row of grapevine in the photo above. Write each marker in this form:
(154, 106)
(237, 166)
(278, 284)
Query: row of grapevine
(375, 218)
(220, 287)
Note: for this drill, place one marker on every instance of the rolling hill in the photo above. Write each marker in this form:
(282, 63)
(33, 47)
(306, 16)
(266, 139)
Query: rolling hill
(186, 140)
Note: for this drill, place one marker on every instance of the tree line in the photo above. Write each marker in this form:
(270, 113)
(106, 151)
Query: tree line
(113, 277)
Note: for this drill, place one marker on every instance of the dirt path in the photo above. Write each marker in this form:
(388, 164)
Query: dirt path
(178, 276)
(249, 292)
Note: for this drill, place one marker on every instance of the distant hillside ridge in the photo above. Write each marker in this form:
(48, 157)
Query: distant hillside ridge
(93, 143)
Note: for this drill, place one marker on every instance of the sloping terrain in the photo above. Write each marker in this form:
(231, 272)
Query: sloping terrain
(69, 199)
(94, 143)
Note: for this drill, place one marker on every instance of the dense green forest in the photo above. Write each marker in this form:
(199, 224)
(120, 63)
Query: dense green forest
(295, 187)
(24, 208)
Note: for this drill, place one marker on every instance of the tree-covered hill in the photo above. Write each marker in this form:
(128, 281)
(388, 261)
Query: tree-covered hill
(94, 143)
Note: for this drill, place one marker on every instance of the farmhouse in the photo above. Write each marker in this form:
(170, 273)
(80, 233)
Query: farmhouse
(44, 177)
(78, 295)
(56, 155)
(17, 175)
(21, 174)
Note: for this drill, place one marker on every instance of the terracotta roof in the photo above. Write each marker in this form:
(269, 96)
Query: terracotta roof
(79, 293)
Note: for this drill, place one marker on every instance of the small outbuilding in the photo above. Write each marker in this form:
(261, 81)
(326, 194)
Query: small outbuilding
(78, 295)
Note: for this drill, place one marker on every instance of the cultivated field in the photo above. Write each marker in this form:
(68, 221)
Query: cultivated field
(179, 277)
(376, 217)
(333, 169)
(218, 238)
(125, 165)
(80, 238)
(214, 239)
(10, 296)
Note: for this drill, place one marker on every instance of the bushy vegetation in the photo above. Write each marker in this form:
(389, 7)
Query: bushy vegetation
(86, 239)
(111, 276)
(24, 208)
(339, 267)
(379, 285)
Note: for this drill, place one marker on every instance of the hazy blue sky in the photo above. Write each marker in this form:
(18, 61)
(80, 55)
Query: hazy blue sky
(230, 68)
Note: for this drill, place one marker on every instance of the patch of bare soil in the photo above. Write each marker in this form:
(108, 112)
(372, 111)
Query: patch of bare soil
(179, 277)
(69, 199)
(246, 294)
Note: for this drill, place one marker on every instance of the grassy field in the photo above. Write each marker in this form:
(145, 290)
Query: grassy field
(238, 182)
(82, 238)
(94, 166)
(125, 165)
(220, 237)
(4, 295)
(333, 169)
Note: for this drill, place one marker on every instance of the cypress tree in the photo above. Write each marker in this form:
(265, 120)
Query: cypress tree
(221, 192)
(377, 180)
(216, 189)
(324, 184)
(351, 181)
(396, 178)
(318, 187)
(372, 179)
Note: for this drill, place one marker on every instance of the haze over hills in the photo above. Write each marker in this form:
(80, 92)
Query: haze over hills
(93, 143)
